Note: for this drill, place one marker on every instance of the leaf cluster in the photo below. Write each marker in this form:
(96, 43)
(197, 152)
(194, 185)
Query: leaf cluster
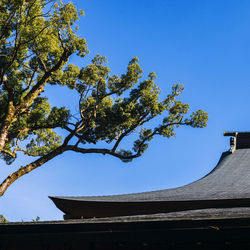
(112, 107)
(3, 219)
(36, 39)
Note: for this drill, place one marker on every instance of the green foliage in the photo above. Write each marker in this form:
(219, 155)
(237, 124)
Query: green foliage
(37, 37)
(2, 219)
(36, 219)
(112, 107)
(34, 35)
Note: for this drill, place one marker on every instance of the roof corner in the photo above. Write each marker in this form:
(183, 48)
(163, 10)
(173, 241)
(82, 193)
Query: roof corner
(238, 140)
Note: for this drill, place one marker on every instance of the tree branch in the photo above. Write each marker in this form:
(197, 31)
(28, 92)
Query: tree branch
(38, 88)
(7, 23)
(42, 160)
(156, 131)
(8, 153)
(28, 168)
(6, 123)
(13, 154)
(139, 123)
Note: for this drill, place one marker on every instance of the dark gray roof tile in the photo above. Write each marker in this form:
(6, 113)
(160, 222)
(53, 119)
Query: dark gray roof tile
(227, 185)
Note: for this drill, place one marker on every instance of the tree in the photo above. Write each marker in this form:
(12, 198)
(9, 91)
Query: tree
(2, 219)
(37, 38)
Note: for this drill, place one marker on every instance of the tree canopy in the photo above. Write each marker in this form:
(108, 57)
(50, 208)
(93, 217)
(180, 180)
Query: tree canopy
(37, 37)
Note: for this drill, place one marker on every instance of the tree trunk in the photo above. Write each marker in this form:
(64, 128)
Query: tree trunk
(13, 112)
(6, 124)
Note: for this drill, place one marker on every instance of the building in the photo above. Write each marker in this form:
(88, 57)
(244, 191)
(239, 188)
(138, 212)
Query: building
(211, 213)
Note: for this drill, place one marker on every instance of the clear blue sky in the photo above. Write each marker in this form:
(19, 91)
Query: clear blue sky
(203, 44)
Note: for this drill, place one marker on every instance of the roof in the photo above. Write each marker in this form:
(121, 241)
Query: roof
(226, 186)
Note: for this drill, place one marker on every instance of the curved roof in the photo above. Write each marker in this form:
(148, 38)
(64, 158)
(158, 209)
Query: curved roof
(227, 185)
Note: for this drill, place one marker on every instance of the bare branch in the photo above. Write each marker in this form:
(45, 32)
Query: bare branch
(42, 160)
(28, 168)
(103, 151)
(8, 153)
